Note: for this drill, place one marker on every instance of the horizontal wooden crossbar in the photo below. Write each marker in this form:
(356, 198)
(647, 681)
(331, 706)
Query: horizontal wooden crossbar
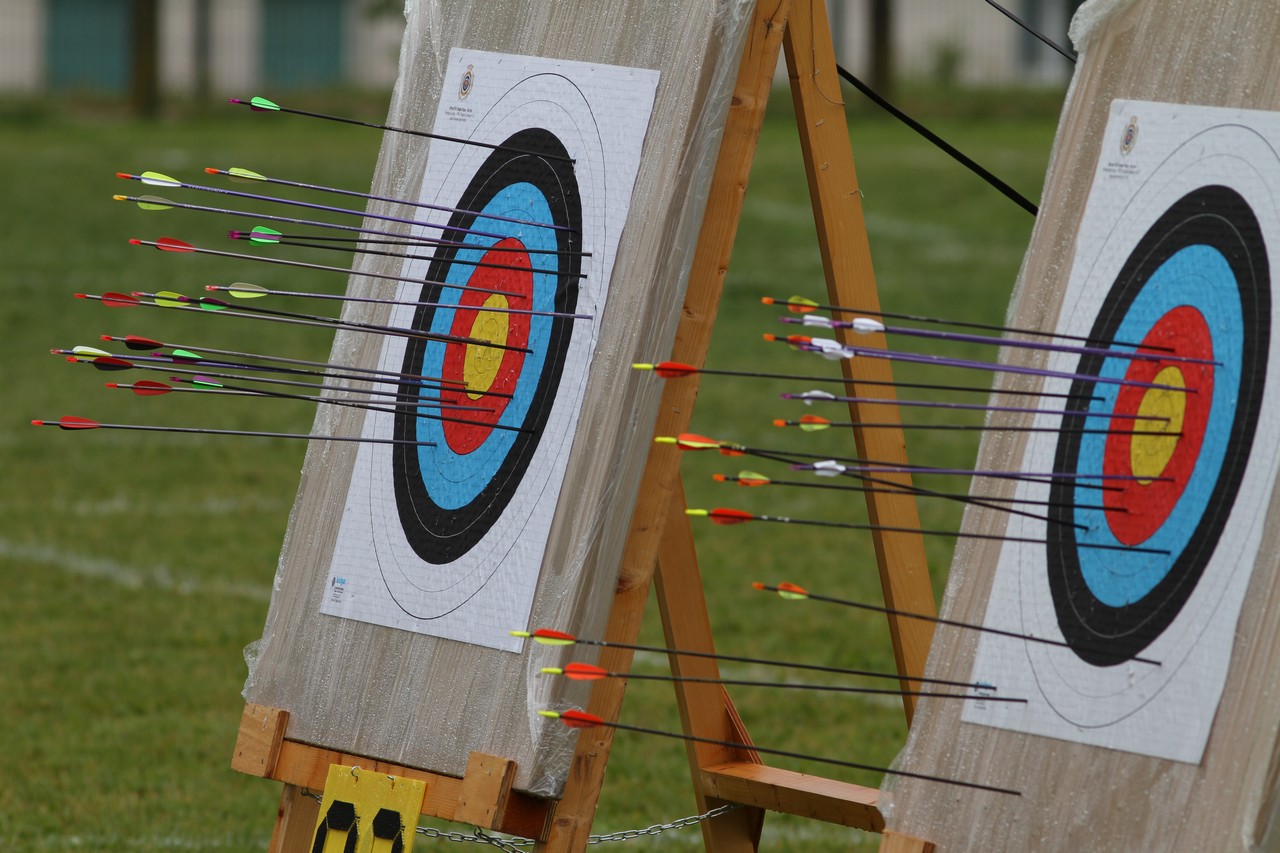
(795, 793)
(483, 797)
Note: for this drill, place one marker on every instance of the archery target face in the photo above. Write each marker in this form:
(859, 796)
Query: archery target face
(446, 535)
(1166, 462)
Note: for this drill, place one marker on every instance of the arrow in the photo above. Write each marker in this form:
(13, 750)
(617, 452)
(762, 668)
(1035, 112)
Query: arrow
(170, 299)
(728, 516)
(795, 592)
(208, 378)
(801, 305)
(819, 396)
(832, 349)
(70, 422)
(837, 468)
(456, 259)
(678, 370)
(867, 326)
(236, 173)
(204, 383)
(171, 244)
(259, 104)
(581, 720)
(551, 637)
(262, 234)
(242, 290)
(817, 423)
(590, 672)
(156, 179)
(753, 479)
(857, 467)
(364, 374)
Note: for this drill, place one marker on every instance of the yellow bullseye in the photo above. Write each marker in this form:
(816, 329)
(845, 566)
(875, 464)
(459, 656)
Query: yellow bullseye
(1149, 454)
(481, 365)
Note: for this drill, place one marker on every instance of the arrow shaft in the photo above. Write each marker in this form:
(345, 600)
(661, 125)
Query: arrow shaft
(969, 626)
(420, 133)
(223, 288)
(249, 433)
(326, 268)
(371, 197)
(746, 747)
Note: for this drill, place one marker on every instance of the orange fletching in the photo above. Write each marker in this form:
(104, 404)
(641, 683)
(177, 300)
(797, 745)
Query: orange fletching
(584, 672)
(724, 515)
(580, 719)
(671, 369)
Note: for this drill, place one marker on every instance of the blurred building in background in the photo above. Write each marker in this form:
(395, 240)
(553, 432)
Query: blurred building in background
(218, 46)
(233, 46)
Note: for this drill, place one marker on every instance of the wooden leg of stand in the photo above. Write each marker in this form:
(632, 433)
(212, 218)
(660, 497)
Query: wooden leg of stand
(705, 708)
(573, 815)
(295, 822)
(895, 843)
(846, 259)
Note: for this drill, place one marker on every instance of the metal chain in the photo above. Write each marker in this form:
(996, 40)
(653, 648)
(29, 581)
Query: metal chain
(513, 845)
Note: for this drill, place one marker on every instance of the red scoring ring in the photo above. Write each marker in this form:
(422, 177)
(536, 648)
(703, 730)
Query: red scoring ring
(472, 428)
(1135, 509)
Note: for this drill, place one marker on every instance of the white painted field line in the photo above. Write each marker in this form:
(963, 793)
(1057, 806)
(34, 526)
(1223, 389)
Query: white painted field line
(130, 577)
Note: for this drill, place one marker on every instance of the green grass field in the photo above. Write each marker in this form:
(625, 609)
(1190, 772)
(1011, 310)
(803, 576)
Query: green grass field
(137, 566)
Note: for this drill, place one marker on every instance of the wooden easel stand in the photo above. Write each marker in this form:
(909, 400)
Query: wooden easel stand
(660, 548)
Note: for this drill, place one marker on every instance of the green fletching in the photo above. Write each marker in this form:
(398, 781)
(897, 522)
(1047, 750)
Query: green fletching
(156, 179)
(263, 104)
(261, 234)
(236, 173)
(186, 353)
(154, 202)
(241, 290)
(170, 299)
(205, 383)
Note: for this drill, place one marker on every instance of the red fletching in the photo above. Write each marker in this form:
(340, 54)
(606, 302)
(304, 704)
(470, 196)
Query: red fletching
(111, 363)
(119, 300)
(73, 422)
(693, 441)
(138, 342)
(554, 636)
(580, 719)
(150, 388)
(724, 515)
(672, 369)
(584, 672)
(173, 244)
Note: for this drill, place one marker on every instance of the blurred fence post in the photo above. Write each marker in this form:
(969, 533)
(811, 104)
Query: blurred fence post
(144, 70)
(880, 75)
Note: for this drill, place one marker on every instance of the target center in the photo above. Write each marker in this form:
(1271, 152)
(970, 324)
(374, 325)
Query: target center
(1160, 417)
(482, 363)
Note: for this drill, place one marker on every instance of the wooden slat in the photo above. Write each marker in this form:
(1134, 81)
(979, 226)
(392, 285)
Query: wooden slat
(295, 822)
(705, 708)
(846, 259)
(894, 842)
(307, 766)
(571, 824)
(258, 741)
(486, 787)
(795, 793)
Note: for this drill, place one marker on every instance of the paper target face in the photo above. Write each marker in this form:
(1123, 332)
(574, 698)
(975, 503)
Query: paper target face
(452, 491)
(444, 533)
(1165, 462)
